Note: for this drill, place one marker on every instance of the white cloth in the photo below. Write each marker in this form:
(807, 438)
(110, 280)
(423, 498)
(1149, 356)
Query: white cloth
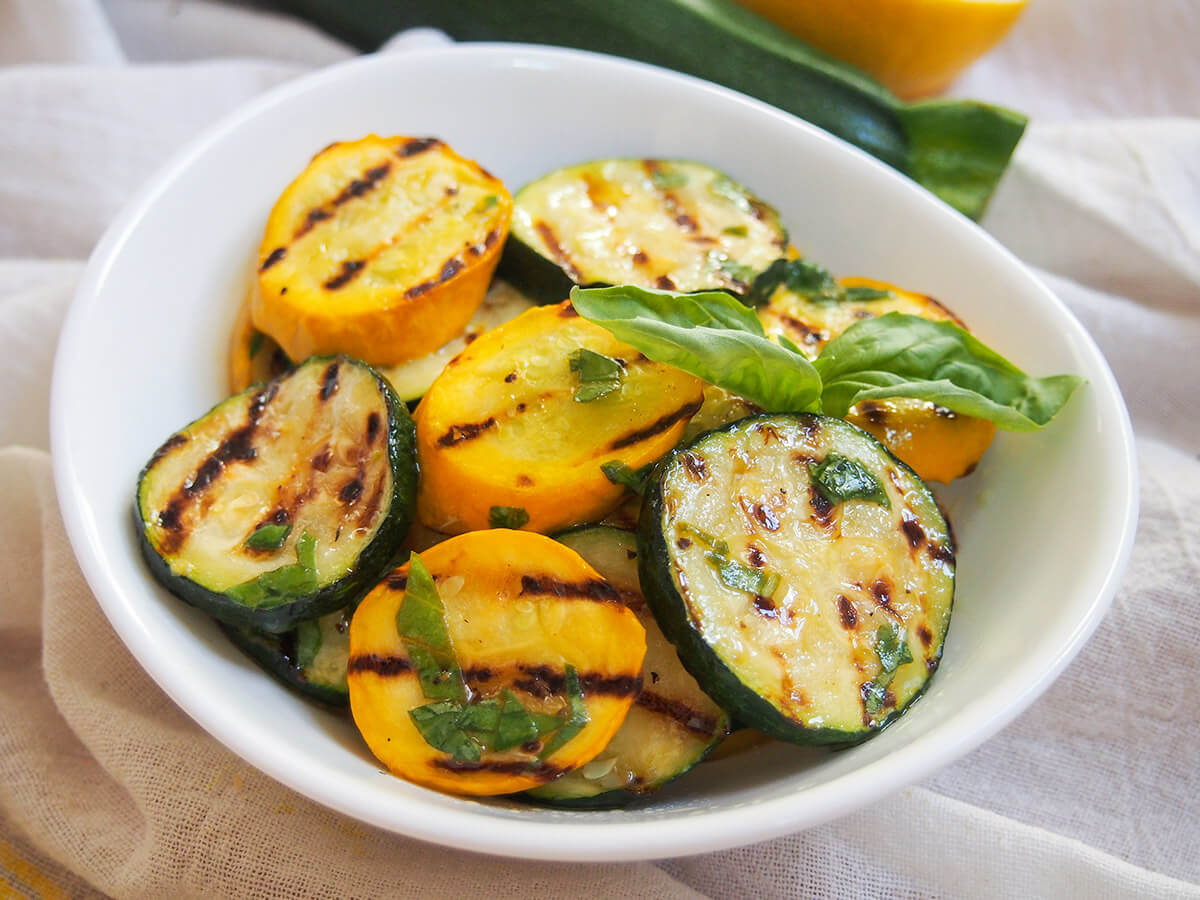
(1094, 792)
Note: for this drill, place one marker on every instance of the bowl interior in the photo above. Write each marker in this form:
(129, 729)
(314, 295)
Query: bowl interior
(1041, 534)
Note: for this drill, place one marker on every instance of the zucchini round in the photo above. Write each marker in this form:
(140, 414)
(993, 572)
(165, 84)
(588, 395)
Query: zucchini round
(310, 659)
(672, 725)
(382, 248)
(804, 574)
(284, 502)
(526, 622)
(668, 224)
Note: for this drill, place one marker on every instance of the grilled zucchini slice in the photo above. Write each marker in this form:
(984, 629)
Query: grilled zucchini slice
(285, 501)
(310, 659)
(255, 357)
(668, 224)
(938, 444)
(511, 434)
(672, 724)
(527, 622)
(805, 575)
(381, 249)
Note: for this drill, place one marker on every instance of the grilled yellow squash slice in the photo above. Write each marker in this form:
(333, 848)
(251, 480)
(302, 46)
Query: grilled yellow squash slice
(531, 629)
(381, 249)
(255, 357)
(938, 444)
(507, 434)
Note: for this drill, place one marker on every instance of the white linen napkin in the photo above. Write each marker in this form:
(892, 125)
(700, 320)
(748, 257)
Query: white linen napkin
(106, 788)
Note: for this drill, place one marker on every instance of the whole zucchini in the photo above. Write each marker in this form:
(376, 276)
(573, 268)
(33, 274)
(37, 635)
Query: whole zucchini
(284, 502)
(956, 148)
(804, 574)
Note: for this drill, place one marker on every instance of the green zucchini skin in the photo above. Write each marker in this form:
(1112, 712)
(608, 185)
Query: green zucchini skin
(696, 633)
(653, 746)
(324, 679)
(400, 437)
(957, 149)
(657, 223)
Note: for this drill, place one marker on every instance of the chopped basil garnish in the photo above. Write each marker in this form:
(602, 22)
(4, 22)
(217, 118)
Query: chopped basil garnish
(284, 584)
(439, 725)
(742, 577)
(577, 715)
(268, 537)
(736, 230)
(838, 478)
(619, 473)
(730, 190)
(599, 375)
(307, 643)
(713, 543)
(800, 277)
(893, 652)
(667, 179)
(486, 203)
(507, 517)
(256, 341)
(421, 624)
(863, 294)
(739, 272)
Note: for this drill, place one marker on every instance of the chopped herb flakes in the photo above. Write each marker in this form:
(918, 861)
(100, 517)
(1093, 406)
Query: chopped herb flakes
(599, 375)
(838, 478)
(268, 537)
(893, 652)
(634, 479)
(507, 517)
(421, 624)
(732, 573)
(284, 584)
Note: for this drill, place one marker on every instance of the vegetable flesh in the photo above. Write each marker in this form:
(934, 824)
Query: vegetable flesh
(797, 664)
(501, 428)
(382, 249)
(670, 224)
(325, 451)
(672, 724)
(519, 609)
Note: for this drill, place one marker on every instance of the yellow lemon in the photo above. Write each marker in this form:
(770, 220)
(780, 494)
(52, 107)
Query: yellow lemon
(915, 47)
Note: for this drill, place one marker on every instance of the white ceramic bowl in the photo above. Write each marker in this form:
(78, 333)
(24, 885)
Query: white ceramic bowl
(1044, 526)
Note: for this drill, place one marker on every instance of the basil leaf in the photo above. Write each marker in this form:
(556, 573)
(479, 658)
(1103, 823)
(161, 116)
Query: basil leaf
(268, 537)
(482, 718)
(634, 479)
(709, 334)
(667, 179)
(728, 189)
(865, 294)
(891, 648)
(577, 715)
(838, 478)
(874, 696)
(599, 375)
(710, 541)
(439, 726)
(507, 517)
(743, 578)
(907, 356)
(256, 342)
(518, 726)
(734, 230)
(421, 624)
(307, 643)
(799, 276)
(282, 585)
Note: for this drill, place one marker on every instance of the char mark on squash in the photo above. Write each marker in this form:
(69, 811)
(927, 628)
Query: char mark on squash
(478, 674)
(549, 586)
(329, 381)
(656, 427)
(873, 412)
(175, 440)
(925, 636)
(757, 558)
(568, 311)
(373, 425)
(941, 553)
(349, 271)
(364, 185)
(695, 465)
(822, 508)
(846, 611)
(351, 491)
(501, 767)
(881, 590)
(664, 283)
(912, 529)
(557, 253)
(311, 218)
(381, 665)
(640, 257)
(691, 719)
(808, 334)
(413, 146)
(686, 222)
(451, 268)
(321, 461)
(544, 681)
(760, 514)
(397, 581)
(273, 257)
(766, 607)
(457, 434)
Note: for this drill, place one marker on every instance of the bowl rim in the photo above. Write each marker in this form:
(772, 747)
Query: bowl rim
(560, 839)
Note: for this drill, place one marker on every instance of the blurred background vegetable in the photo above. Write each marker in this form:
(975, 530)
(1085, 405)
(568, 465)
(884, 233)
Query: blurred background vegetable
(958, 149)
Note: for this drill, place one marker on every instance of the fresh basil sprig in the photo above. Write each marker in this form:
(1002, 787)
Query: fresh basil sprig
(713, 336)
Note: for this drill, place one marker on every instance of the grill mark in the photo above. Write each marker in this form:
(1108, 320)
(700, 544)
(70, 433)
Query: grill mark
(822, 508)
(548, 585)
(808, 334)
(656, 427)
(345, 275)
(321, 461)
(385, 666)
(351, 491)
(768, 433)
(872, 412)
(557, 253)
(360, 186)
(544, 681)
(760, 513)
(478, 674)
(695, 466)
(640, 257)
(686, 222)
(451, 268)
(881, 590)
(683, 543)
(397, 581)
(691, 719)
(502, 767)
(371, 507)
(924, 634)
(847, 612)
(524, 481)
(175, 440)
(457, 434)
(510, 377)
(766, 607)
(756, 557)
(912, 529)
(372, 428)
(941, 553)
(664, 283)
(568, 311)
(329, 382)
(413, 146)
(311, 218)
(273, 257)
